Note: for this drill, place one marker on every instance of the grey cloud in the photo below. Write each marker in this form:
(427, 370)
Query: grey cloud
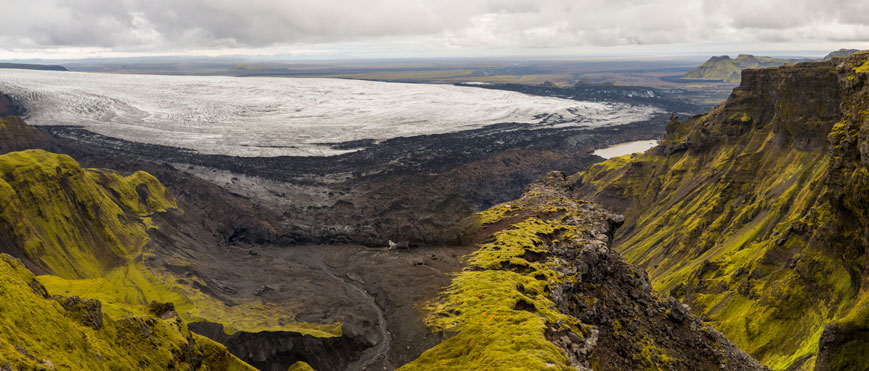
(173, 24)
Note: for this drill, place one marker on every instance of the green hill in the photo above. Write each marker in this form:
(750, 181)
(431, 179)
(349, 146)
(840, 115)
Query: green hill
(726, 69)
(840, 53)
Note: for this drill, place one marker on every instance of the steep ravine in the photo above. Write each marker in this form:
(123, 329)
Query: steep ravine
(544, 291)
(275, 351)
(379, 351)
(544, 288)
(755, 213)
(127, 241)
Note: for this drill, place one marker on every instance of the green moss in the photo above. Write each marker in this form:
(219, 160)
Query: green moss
(125, 290)
(727, 227)
(88, 228)
(489, 332)
(864, 68)
(652, 357)
(613, 163)
(498, 310)
(73, 222)
(497, 213)
(301, 366)
(851, 355)
(36, 332)
(594, 173)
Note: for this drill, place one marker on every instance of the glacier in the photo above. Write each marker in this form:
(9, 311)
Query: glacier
(276, 116)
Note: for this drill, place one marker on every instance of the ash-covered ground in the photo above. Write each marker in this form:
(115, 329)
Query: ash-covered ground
(410, 163)
(312, 231)
(415, 190)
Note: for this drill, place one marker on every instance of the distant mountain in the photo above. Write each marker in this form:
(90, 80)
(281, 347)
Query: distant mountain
(726, 69)
(840, 53)
(41, 67)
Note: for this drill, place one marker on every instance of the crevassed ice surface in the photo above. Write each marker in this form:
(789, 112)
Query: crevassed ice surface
(264, 116)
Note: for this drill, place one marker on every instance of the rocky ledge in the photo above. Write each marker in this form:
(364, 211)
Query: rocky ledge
(546, 281)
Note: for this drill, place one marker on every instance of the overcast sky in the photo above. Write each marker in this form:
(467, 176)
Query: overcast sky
(426, 28)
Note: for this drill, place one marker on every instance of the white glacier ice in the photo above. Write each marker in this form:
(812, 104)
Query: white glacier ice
(272, 116)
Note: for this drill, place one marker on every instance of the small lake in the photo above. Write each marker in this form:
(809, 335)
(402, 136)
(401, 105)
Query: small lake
(622, 149)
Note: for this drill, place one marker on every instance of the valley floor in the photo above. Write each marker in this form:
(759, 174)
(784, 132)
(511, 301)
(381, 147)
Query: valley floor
(378, 294)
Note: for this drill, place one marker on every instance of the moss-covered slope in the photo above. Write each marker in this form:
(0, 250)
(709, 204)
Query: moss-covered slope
(726, 69)
(72, 222)
(38, 331)
(756, 215)
(86, 232)
(545, 292)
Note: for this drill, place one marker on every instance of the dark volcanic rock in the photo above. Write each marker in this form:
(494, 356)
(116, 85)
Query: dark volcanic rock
(8, 107)
(276, 351)
(15, 134)
(422, 189)
(635, 327)
(623, 324)
(785, 157)
(88, 312)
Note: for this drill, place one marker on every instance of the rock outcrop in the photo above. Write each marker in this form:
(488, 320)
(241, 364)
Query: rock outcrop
(755, 213)
(118, 243)
(74, 222)
(545, 291)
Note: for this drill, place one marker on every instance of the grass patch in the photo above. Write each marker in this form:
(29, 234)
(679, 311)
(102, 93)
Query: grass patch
(497, 310)
(40, 333)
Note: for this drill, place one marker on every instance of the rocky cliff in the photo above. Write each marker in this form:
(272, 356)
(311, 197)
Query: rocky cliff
(123, 242)
(74, 222)
(545, 291)
(755, 213)
(87, 228)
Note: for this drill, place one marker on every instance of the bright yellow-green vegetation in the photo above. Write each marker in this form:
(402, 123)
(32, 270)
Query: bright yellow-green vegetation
(653, 357)
(73, 222)
(124, 290)
(610, 165)
(301, 366)
(497, 309)
(744, 225)
(40, 333)
(713, 221)
(496, 213)
(88, 228)
(864, 68)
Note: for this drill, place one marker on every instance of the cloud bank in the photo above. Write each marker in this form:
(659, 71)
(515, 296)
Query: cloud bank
(153, 25)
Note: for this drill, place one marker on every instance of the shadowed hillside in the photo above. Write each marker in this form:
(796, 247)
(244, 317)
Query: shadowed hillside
(755, 213)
